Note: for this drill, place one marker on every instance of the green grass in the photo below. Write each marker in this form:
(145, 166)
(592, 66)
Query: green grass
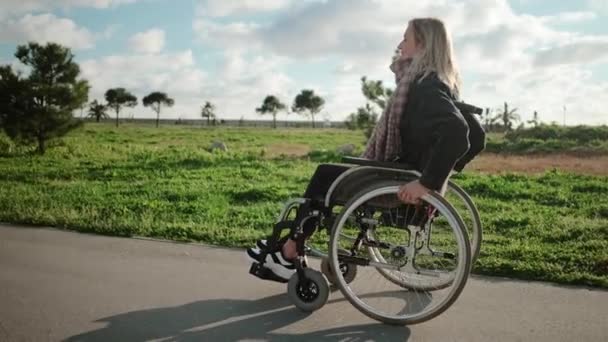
(163, 183)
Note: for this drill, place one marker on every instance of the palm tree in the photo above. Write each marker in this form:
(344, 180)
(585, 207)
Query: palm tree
(535, 121)
(508, 117)
(98, 111)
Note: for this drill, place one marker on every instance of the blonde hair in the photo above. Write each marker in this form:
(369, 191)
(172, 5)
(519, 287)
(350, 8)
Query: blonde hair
(436, 54)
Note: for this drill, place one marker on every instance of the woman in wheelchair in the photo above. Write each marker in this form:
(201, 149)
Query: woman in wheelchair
(422, 127)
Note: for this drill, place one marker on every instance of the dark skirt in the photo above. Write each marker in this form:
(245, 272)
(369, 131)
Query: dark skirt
(321, 181)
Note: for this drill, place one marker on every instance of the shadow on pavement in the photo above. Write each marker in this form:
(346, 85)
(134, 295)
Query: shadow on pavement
(230, 320)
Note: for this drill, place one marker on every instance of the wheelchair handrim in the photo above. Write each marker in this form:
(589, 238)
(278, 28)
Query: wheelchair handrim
(464, 255)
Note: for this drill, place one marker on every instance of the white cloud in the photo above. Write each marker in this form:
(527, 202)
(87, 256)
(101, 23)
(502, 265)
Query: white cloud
(344, 97)
(108, 32)
(243, 80)
(501, 53)
(235, 35)
(570, 17)
(143, 73)
(598, 5)
(151, 41)
(547, 90)
(93, 3)
(332, 27)
(173, 73)
(219, 8)
(45, 28)
(237, 87)
(530, 61)
(16, 7)
(582, 52)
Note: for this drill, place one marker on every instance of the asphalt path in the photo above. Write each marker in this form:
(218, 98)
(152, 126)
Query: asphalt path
(57, 285)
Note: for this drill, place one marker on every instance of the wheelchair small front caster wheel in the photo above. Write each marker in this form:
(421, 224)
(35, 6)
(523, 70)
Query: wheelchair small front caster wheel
(308, 294)
(349, 271)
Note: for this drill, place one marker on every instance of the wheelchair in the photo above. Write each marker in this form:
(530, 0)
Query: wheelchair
(419, 256)
(424, 253)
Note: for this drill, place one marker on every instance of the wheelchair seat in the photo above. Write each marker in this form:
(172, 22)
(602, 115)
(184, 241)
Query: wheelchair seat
(370, 162)
(366, 172)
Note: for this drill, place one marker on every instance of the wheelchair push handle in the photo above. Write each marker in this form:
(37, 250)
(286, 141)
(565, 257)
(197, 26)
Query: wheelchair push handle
(465, 108)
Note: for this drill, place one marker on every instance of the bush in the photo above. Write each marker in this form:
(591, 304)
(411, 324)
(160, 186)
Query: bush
(553, 139)
(579, 134)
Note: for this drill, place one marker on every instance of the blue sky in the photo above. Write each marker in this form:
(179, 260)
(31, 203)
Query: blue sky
(535, 54)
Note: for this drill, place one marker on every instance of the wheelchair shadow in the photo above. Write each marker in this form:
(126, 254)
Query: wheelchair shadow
(230, 320)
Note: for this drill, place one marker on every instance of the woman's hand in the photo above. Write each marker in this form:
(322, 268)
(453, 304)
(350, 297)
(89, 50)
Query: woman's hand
(412, 192)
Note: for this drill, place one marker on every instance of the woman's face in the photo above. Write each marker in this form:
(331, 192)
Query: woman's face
(408, 46)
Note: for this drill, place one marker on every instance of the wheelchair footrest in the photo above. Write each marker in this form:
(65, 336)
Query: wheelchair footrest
(262, 272)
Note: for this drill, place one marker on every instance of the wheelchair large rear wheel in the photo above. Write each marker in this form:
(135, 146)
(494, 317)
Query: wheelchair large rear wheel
(430, 253)
(464, 205)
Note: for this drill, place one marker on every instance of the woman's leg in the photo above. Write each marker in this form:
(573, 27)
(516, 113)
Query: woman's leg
(317, 188)
(321, 181)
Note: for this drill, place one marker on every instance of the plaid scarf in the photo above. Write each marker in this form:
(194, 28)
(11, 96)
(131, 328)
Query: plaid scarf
(385, 141)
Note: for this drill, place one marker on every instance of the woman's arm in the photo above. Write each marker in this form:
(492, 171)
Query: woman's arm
(442, 130)
(477, 139)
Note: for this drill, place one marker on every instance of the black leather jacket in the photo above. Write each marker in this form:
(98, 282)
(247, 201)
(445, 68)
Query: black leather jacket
(435, 136)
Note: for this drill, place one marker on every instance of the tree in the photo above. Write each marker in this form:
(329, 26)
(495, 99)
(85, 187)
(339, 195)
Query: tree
(365, 118)
(98, 111)
(271, 105)
(307, 103)
(156, 100)
(375, 92)
(508, 117)
(535, 121)
(39, 107)
(208, 111)
(118, 98)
